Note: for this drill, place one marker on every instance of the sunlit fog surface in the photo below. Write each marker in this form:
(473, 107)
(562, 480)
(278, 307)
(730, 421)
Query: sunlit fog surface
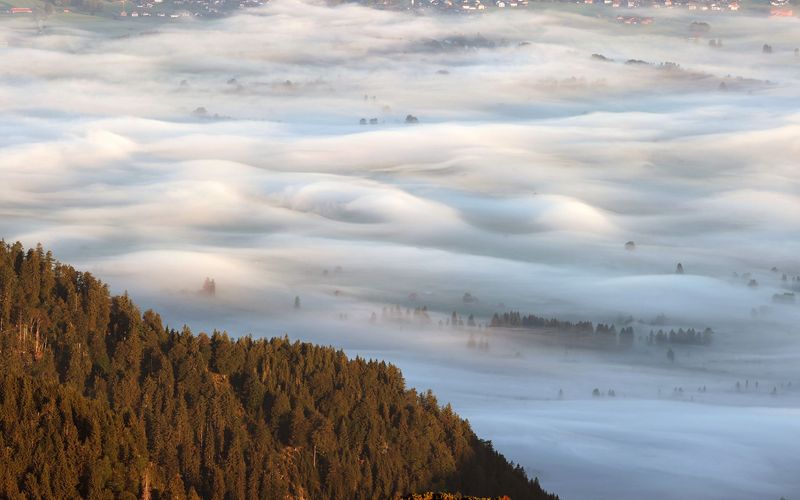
(157, 155)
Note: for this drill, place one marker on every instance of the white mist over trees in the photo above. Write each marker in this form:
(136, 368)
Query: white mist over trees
(507, 169)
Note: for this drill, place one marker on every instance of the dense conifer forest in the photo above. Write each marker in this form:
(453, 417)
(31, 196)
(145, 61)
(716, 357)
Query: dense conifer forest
(99, 400)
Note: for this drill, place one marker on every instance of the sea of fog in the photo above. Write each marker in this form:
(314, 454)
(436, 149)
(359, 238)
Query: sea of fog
(156, 155)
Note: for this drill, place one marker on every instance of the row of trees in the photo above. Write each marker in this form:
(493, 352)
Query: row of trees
(420, 316)
(625, 337)
(689, 336)
(396, 314)
(514, 319)
(602, 334)
(98, 400)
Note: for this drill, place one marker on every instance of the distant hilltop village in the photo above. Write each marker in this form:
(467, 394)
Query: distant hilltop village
(200, 8)
(177, 9)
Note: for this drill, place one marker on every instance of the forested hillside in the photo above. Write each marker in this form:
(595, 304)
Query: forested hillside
(98, 400)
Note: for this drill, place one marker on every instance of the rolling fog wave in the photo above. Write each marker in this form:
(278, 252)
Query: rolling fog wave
(499, 167)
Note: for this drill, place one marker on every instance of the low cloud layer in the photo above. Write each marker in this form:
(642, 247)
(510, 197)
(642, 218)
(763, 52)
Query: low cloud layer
(156, 156)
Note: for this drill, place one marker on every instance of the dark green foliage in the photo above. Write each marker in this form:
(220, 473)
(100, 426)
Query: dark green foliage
(98, 400)
(514, 319)
(690, 336)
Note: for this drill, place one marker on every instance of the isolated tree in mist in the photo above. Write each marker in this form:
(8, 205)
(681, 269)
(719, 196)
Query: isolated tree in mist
(671, 355)
(209, 287)
(297, 302)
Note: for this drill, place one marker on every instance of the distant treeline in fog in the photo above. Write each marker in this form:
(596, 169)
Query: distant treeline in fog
(625, 336)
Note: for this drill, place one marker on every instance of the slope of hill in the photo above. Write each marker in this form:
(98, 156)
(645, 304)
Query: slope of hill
(100, 401)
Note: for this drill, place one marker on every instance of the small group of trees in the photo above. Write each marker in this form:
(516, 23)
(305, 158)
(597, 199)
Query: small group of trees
(410, 119)
(793, 282)
(514, 319)
(604, 329)
(678, 392)
(420, 316)
(689, 336)
(457, 321)
(605, 334)
(784, 298)
(626, 336)
(699, 27)
(747, 386)
(402, 315)
(336, 270)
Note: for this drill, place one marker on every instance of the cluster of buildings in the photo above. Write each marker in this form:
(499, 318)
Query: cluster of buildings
(467, 5)
(175, 9)
(170, 9)
(781, 8)
(216, 8)
(473, 5)
(634, 20)
(704, 5)
(187, 8)
(712, 5)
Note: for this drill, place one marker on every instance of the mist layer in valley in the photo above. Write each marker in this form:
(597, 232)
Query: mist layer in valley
(372, 164)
